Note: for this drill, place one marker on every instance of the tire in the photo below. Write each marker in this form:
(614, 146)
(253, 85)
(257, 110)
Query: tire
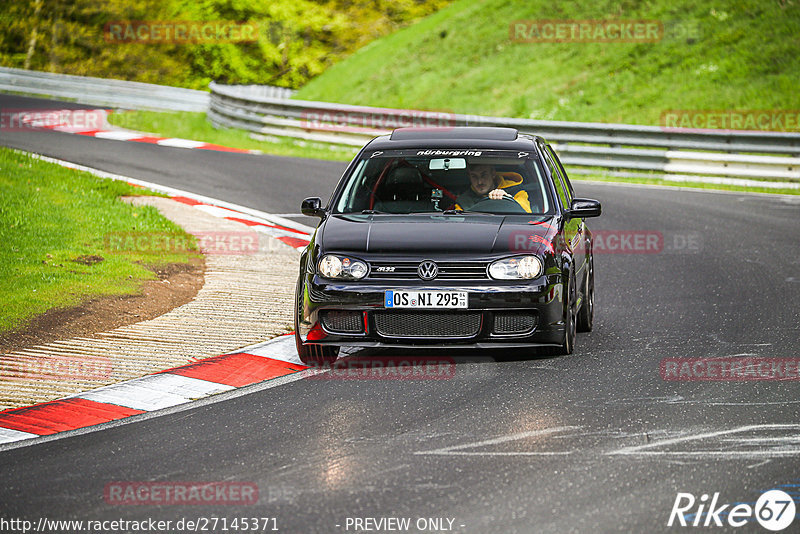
(586, 315)
(570, 321)
(309, 353)
(316, 355)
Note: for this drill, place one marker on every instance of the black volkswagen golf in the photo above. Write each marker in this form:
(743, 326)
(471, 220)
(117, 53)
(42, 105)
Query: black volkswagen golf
(452, 237)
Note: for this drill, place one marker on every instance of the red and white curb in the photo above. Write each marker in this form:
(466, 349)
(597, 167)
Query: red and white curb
(94, 123)
(180, 385)
(293, 237)
(292, 233)
(268, 361)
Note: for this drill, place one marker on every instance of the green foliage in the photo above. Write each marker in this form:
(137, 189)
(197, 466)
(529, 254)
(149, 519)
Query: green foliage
(716, 55)
(296, 40)
(68, 37)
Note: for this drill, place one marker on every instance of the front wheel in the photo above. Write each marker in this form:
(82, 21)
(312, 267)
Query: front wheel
(570, 321)
(315, 355)
(586, 315)
(310, 354)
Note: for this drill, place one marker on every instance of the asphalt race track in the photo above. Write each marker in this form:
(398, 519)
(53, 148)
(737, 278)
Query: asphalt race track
(596, 441)
(268, 183)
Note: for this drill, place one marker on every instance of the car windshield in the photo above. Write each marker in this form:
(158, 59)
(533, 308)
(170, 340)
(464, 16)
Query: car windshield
(423, 181)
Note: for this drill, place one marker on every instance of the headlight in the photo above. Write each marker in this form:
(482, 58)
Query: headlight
(521, 267)
(342, 267)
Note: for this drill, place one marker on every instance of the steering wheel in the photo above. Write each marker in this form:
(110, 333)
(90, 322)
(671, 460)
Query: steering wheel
(486, 202)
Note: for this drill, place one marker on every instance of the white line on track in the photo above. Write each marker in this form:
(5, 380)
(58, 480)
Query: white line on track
(119, 135)
(180, 143)
(647, 448)
(457, 450)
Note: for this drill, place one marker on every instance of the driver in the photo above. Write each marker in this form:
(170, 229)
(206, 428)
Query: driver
(485, 182)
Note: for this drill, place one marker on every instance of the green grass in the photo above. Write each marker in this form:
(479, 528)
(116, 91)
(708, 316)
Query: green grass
(195, 126)
(694, 185)
(716, 55)
(51, 220)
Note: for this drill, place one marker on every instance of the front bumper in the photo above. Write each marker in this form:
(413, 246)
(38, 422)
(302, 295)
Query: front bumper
(488, 300)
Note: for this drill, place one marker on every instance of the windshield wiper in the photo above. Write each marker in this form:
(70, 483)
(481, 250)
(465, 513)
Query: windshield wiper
(444, 212)
(370, 212)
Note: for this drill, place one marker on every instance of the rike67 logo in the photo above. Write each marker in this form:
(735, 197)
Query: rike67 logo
(774, 510)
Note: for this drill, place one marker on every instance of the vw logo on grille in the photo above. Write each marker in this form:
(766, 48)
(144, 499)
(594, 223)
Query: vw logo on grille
(427, 270)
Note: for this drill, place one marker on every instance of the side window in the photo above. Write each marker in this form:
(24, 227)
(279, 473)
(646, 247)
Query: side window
(562, 194)
(570, 191)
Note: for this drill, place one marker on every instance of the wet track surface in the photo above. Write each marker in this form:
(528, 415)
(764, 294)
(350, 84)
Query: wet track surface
(596, 441)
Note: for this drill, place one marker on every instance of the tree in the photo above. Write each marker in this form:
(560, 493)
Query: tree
(296, 40)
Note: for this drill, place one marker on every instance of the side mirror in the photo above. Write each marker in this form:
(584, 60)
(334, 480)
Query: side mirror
(312, 207)
(583, 207)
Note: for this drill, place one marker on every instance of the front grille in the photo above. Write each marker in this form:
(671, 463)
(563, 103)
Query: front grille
(348, 322)
(513, 323)
(428, 324)
(448, 270)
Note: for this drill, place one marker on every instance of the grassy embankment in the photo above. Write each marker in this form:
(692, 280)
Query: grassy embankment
(54, 226)
(713, 56)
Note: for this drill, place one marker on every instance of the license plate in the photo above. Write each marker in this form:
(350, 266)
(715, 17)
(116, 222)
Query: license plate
(425, 299)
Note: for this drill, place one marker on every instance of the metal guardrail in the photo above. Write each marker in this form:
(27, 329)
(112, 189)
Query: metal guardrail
(102, 92)
(120, 93)
(616, 148)
(259, 91)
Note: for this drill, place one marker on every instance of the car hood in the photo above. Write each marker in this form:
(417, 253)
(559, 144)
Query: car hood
(431, 233)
